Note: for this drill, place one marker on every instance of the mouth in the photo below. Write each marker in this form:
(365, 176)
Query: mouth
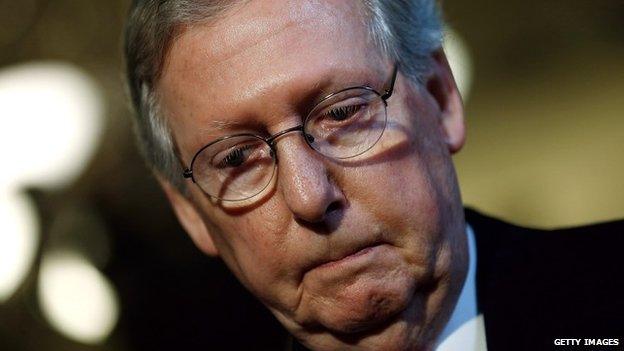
(350, 256)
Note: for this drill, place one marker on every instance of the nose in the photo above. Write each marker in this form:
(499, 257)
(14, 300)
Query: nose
(305, 181)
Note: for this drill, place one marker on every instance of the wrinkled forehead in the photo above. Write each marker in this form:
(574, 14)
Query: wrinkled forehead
(263, 52)
(268, 39)
(254, 22)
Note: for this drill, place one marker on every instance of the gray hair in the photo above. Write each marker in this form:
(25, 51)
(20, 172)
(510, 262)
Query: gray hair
(406, 31)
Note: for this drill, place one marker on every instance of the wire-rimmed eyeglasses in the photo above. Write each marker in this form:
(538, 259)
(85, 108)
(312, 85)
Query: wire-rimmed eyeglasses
(343, 125)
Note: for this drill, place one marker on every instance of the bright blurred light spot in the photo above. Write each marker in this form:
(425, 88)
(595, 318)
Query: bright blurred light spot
(18, 241)
(51, 123)
(76, 298)
(460, 61)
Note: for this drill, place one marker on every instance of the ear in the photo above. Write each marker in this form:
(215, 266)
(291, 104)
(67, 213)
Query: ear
(190, 218)
(441, 85)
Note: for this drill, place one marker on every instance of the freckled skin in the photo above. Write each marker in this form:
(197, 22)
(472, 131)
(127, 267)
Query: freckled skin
(254, 67)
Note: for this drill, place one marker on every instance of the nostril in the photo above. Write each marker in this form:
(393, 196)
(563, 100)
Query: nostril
(333, 207)
(333, 216)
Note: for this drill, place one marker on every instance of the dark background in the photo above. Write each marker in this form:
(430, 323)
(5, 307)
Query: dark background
(545, 144)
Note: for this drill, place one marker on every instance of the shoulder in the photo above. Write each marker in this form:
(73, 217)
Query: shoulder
(541, 284)
(600, 241)
(489, 223)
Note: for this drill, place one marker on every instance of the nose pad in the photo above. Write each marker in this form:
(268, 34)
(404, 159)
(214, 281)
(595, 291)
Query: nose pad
(309, 137)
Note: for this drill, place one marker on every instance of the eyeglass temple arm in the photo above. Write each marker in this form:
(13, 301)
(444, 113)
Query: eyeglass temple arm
(390, 84)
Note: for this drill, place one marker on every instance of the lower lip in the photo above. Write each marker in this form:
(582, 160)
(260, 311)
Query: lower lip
(351, 258)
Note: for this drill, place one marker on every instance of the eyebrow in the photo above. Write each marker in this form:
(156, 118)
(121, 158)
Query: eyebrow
(221, 125)
(215, 128)
(340, 81)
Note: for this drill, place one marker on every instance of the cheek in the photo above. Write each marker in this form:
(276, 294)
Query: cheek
(412, 214)
(401, 191)
(253, 246)
(410, 191)
(414, 184)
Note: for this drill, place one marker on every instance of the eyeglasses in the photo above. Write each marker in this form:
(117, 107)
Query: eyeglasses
(343, 125)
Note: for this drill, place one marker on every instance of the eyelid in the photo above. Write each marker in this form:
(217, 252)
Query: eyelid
(230, 152)
(331, 90)
(346, 100)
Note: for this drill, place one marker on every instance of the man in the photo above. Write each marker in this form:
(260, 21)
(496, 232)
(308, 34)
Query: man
(308, 144)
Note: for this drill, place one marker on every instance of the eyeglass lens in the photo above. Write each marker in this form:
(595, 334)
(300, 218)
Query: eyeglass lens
(342, 126)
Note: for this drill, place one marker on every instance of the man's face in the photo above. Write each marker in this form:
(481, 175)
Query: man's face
(362, 252)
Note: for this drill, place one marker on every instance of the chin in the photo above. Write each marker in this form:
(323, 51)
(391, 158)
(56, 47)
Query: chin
(359, 295)
(403, 311)
(367, 306)
(414, 328)
(405, 331)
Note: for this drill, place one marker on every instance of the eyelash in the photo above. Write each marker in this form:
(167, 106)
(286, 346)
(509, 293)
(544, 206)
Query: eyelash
(238, 152)
(338, 112)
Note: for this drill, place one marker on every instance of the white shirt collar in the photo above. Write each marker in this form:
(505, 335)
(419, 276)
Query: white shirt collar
(465, 330)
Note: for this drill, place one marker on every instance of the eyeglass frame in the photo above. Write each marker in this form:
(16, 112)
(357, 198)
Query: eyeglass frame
(188, 172)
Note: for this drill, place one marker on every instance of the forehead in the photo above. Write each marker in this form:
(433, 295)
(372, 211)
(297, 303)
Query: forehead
(262, 48)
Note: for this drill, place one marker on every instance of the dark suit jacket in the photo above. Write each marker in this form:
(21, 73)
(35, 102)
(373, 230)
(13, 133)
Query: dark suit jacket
(534, 286)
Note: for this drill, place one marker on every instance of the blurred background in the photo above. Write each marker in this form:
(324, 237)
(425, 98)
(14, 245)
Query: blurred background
(91, 257)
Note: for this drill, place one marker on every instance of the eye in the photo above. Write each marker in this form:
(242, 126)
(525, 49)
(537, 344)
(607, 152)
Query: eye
(235, 157)
(343, 112)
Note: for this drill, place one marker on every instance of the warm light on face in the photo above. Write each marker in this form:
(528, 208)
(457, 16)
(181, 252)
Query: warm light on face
(340, 246)
(76, 298)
